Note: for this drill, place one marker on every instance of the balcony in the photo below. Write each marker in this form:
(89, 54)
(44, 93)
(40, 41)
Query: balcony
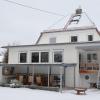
(88, 68)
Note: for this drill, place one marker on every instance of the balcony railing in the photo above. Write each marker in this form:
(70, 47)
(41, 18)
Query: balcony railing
(88, 68)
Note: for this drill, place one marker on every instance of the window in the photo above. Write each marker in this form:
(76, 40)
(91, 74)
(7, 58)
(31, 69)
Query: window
(35, 57)
(73, 38)
(23, 57)
(58, 56)
(44, 57)
(94, 56)
(80, 57)
(52, 40)
(90, 37)
(91, 57)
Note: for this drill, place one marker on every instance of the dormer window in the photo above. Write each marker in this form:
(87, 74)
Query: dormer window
(90, 37)
(74, 39)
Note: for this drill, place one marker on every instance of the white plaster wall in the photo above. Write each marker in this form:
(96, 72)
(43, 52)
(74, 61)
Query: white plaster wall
(70, 56)
(63, 37)
(69, 77)
(69, 53)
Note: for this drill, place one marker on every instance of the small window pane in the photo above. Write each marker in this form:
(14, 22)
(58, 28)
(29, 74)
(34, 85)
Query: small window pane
(35, 57)
(23, 57)
(89, 57)
(58, 56)
(90, 37)
(73, 38)
(44, 56)
(94, 56)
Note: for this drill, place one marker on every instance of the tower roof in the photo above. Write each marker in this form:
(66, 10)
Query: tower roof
(80, 19)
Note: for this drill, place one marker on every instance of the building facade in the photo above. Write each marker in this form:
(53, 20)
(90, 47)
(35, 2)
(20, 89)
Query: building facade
(67, 57)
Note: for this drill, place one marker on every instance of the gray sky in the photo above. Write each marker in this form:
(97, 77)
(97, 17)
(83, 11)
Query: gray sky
(23, 25)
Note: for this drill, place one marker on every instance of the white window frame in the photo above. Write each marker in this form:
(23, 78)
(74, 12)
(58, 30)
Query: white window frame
(92, 60)
(32, 51)
(74, 36)
(88, 38)
(58, 50)
(19, 57)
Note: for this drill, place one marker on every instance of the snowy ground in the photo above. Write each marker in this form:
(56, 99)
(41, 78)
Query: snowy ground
(29, 94)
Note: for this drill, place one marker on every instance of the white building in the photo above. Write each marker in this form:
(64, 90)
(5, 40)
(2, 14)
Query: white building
(67, 57)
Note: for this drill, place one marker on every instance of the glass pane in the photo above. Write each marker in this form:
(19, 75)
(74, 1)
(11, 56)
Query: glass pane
(90, 38)
(94, 56)
(35, 57)
(58, 56)
(89, 57)
(23, 57)
(44, 56)
(74, 39)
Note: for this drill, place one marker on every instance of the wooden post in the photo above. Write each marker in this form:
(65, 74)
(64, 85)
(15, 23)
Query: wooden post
(33, 74)
(61, 79)
(74, 78)
(48, 76)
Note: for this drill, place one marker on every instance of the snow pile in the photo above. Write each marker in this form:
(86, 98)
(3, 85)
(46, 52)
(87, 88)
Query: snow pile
(29, 94)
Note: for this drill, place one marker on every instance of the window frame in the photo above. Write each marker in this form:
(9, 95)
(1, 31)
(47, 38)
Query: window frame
(41, 56)
(54, 54)
(90, 39)
(39, 51)
(93, 57)
(74, 37)
(19, 60)
(38, 56)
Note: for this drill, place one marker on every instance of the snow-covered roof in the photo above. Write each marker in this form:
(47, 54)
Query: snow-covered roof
(74, 22)
(80, 20)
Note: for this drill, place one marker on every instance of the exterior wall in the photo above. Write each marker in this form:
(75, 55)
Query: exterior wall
(63, 37)
(1, 76)
(68, 53)
(69, 56)
(81, 81)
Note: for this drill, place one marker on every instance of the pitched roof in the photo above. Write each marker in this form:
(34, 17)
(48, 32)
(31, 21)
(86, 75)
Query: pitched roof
(76, 22)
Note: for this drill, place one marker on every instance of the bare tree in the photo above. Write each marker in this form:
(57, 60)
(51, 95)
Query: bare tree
(6, 52)
(5, 59)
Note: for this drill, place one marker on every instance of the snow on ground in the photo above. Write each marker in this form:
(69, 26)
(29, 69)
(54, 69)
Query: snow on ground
(31, 94)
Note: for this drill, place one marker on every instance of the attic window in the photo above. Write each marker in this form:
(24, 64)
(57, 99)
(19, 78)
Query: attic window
(73, 38)
(90, 37)
(52, 40)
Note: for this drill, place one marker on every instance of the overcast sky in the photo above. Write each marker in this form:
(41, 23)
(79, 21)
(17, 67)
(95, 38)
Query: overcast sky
(22, 25)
